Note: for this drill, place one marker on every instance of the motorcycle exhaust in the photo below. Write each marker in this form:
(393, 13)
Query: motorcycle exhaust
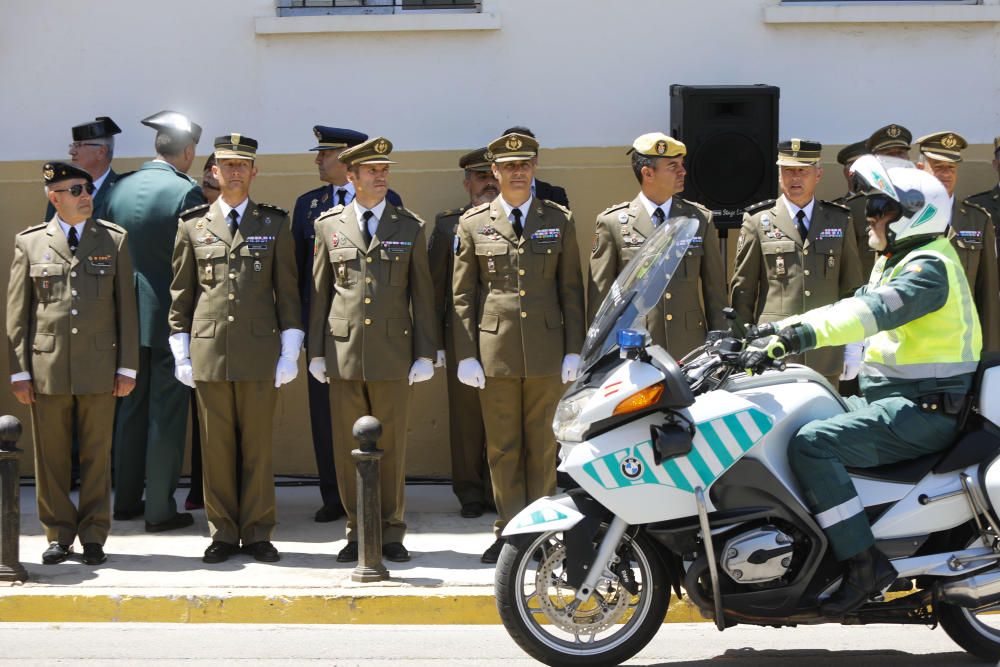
(975, 591)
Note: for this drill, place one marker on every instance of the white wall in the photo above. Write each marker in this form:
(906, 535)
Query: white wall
(579, 72)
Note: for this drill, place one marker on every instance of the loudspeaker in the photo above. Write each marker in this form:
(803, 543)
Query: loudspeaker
(731, 133)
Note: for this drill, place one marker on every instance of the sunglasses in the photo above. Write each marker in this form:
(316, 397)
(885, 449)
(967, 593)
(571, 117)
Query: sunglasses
(878, 206)
(78, 189)
(77, 144)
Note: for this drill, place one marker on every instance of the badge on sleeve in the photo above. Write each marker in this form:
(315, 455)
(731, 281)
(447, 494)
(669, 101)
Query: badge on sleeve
(456, 245)
(593, 247)
(315, 246)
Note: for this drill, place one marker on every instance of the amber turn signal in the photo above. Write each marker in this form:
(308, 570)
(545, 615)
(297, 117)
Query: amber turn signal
(640, 400)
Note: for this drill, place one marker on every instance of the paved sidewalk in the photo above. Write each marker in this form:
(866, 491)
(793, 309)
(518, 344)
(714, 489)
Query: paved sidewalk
(161, 578)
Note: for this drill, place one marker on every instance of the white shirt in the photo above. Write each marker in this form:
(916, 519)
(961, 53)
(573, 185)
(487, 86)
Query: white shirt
(651, 206)
(240, 209)
(793, 210)
(98, 182)
(378, 210)
(127, 372)
(349, 197)
(523, 208)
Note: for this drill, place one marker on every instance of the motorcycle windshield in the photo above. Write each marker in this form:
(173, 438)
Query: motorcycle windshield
(639, 287)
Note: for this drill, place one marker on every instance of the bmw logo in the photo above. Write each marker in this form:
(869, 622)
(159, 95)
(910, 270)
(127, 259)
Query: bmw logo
(632, 467)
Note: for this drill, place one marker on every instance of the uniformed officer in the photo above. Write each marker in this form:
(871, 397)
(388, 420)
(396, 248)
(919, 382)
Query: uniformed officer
(798, 253)
(470, 475)
(92, 150)
(372, 330)
(680, 324)
(973, 233)
(990, 199)
(72, 337)
(151, 424)
(235, 317)
(518, 295)
(922, 351)
(337, 189)
(893, 140)
(539, 188)
(855, 202)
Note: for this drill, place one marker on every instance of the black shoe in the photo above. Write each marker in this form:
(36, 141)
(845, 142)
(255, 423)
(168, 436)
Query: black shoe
(93, 554)
(472, 510)
(348, 554)
(328, 513)
(262, 551)
(866, 575)
(56, 553)
(492, 554)
(219, 552)
(128, 515)
(396, 552)
(179, 520)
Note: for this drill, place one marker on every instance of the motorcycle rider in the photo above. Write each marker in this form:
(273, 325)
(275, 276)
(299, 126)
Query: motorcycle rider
(924, 341)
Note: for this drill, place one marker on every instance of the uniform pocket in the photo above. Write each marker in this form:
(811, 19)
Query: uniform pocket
(489, 323)
(550, 250)
(399, 267)
(493, 258)
(398, 327)
(210, 260)
(693, 320)
(692, 262)
(203, 329)
(106, 340)
(44, 342)
(554, 319)
(339, 327)
(256, 263)
(263, 327)
(48, 281)
(345, 265)
(102, 277)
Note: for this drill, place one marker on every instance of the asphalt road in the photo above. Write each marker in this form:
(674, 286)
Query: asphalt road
(677, 645)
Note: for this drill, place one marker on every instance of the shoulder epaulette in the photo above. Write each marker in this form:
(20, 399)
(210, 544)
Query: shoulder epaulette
(451, 212)
(759, 206)
(557, 206)
(700, 207)
(336, 210)
(410, 214)
(986, 194)
(183, 176)
(310, 193)
(33, 228)
(978, 207)
(476, 209)
(615, 207)
(110, 225)
(842, 207)
(194, 211)
(272, 207)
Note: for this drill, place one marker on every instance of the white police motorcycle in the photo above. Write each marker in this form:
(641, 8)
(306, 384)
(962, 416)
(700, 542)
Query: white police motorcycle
(685, 486)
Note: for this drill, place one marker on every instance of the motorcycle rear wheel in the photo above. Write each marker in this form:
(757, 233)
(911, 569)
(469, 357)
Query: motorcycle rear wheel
(610, 628)
(976, 631)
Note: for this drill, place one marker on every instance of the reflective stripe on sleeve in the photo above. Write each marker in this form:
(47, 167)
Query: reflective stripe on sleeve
(841, 512)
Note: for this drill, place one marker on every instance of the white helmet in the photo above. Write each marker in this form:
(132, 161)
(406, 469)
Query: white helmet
(921, 203)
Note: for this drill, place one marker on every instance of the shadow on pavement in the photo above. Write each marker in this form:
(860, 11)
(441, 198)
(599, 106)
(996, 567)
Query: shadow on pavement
(749, 657)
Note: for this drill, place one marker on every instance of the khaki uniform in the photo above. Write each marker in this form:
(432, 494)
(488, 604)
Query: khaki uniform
(856, 204)
(974, 239)
(519, 310)
(372, 316)
(470, 474)
(778, 274)
(235, 295)
(71, 323)
(681, 322)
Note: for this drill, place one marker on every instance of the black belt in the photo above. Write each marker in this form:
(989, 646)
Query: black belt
(942, 403)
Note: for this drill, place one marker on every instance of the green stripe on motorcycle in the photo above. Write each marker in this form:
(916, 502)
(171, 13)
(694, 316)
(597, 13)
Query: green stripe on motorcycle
(699, 465)
(762, 421)
(740, 435)
(715, 442)
(680, 481)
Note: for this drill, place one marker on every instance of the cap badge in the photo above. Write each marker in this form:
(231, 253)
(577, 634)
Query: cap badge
(513, 144)
(661, 147)
(381, 146)
(893, 131)
(234, 139)
(488, 155)
(318, 134)
(949, 141)
(796, 145)
(48, 173)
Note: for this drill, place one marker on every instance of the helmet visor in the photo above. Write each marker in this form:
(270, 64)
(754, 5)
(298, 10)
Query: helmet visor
(878, 206)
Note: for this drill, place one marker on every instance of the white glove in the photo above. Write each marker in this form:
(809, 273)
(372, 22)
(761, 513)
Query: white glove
(470, 372)
(853, 353)
(288, 363)
(317, 367)
(570, 367)
(180, 347)
(439, 363)
(421, 370)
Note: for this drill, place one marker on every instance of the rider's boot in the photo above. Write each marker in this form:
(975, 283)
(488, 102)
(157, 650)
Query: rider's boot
(867, 574)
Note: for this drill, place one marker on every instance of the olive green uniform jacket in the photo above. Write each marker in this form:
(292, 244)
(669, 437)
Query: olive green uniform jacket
(974, 238)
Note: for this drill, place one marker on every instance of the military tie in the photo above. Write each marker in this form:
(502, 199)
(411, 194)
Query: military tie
(73, 239)
(800, 224)
(518, 229)
(342, 197)
(366, 216)
(658, 217)
(234, 221)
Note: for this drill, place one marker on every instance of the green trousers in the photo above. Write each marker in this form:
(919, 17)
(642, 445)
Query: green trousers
(870, 434)
(150, 434)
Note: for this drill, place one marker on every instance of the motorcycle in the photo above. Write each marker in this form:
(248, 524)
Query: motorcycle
(685, 486)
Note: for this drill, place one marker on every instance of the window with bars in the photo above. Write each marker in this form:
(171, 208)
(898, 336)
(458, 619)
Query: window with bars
(320, 7)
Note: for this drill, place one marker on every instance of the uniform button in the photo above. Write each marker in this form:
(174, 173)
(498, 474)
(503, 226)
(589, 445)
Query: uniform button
(522, 292)
(406, 332)
(232, 255)
(368, 281)
(75, 330)
(232, 318)
(489, 253)
(805, 252)
(72, 274)
(368, 259)
(805, 272)
(523, 315)
(368, 320)
(668, 295)
(232, 296)
(549, 251)
(368, 299)
(807, 293)
(520, 251)
(520, 272)
(669, 317)
(74, 312)
(102, 272)
(232, 276)
(73, 292)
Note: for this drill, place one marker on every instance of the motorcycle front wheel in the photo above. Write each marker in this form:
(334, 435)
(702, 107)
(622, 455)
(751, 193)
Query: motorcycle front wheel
(538, 606)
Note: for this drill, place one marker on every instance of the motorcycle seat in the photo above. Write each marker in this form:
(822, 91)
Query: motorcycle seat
(902, 472)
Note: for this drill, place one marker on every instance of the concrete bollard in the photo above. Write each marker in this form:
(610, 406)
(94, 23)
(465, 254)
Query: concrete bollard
(367, 431)
(10, 501)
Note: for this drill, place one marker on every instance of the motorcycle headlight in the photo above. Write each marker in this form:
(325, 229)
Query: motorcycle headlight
(566, 425)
